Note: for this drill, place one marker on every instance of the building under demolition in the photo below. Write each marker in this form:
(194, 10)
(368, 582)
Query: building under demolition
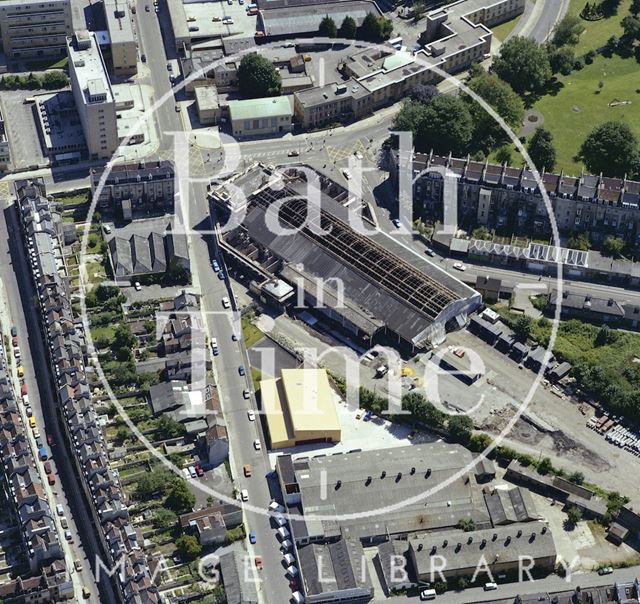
(369, 284)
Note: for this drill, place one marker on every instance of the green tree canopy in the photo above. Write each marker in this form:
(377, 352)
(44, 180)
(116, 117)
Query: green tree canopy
(522, 327)
(502, 98)
(542, 150)
(562, 60)
(152, 483)
(169, 427)
(348, 29)
(545, 466)
(631, 27)
(574, 515)
(568, 31)
(523, 64)
(375, 29)
(123, 342)
(611, 149)
(328, 28)
(164, 519)
(444, 125)
(460, 428)
(188, 547)
(579, 241)
(422, 411)
(258, 78)
(180, 499)
(612, 246)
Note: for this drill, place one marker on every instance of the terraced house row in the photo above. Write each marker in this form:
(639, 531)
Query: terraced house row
(47, 579)
(67, 354)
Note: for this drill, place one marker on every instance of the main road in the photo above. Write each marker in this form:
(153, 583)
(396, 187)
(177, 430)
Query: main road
(219, 324)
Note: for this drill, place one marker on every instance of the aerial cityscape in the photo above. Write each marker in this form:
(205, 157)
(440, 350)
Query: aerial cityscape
(323, 301)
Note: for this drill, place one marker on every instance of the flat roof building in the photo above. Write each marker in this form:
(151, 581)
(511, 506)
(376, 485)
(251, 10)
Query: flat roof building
(123, 45)
(261, 117)
(379, 493)
(31, 29)
(300, 407)
(93, 95)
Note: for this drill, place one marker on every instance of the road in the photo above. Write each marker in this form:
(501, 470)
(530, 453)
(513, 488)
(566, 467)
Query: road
(202, 247)
(16, 278)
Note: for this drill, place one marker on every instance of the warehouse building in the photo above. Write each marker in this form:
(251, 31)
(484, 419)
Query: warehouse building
(370, 286)
(365, 483)
(502, 549)
(300, 408)
(260, 117)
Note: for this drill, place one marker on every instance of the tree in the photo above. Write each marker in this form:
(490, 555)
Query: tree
(545, 466)
(54, 79)
(258, 78)
(169, 427)
(612, 246)
(348, 28)
(466, 524)
(447, 126)
(328, 28)
(422, 411)
(611, 149)
(523, 64)
(502, 98)
(635, 7)
(164, 519)
(522, 327)
(482, 232)
(375, 29)
(188, 547)
(424, 92)
(152, 483)
(574, 515)
(562, 60)
(542, 150)
(180, 499)
(576, 478)
(568, 31)
(503, 155)
(579, 241)
(123, 342)
(460, 428)
(631, 27)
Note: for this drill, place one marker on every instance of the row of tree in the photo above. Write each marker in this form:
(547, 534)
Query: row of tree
(373, 29)
(49, 80)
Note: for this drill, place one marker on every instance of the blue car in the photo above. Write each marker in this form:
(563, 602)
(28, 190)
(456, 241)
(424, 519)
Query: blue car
(221, 276)
(241, 370)
(215, 266)
(252, 537)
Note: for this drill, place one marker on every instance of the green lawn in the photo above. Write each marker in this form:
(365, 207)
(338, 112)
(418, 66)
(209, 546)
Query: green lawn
(107, 332)
(50, 64)
(501, 31)
(580, 105)
(73, 198)
(597, 33)
(250, 332)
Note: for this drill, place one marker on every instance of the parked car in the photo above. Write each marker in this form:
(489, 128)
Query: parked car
(59, 510)
(396, 223)
(215, 266)
(221, 276)
(147, 8)
(258, 559)
(247, 469)
(246, 394)
(50, 440)
(199, 470)
(241, 370)
(607, 570)
(192, 472)
(14, 331)
(68, 536)
(143, 58)
(244, 495)
(226, 303)
(137, 286)
(256, 445)
(251, 415)
(77, 564)
(252, 537)
(459, 266)
(293, 153)
(430, 252)
(47, 467)
(490, 586)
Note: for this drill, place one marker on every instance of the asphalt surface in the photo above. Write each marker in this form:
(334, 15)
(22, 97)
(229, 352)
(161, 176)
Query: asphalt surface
(16, 277)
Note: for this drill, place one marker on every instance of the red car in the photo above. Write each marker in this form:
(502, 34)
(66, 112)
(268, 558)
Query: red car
(51, 479)
(258, 560)
(23, 390)
(50, 440)
(199, 470)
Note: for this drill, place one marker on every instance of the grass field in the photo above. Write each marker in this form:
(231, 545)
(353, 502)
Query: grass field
(250, 332)
(597, 33)
(580, 105)
(501, 31)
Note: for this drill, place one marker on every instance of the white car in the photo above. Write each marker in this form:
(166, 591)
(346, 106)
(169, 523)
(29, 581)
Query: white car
(274, 506)
(226, 303)
(251, 415)
(459, 266)
(244, 495)
(256, 445)
(137, 286)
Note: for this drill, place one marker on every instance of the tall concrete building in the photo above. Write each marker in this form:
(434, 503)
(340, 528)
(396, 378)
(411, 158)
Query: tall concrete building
(93, 95)
(124, 48)
(32, 29)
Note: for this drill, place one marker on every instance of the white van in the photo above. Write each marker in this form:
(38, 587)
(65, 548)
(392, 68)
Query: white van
(274, 506)
(490, 586)
(428, 594)
(244, 494)
(226, 303)
(298, 598)
(214, 346)
(283, 533)
(289, 559)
